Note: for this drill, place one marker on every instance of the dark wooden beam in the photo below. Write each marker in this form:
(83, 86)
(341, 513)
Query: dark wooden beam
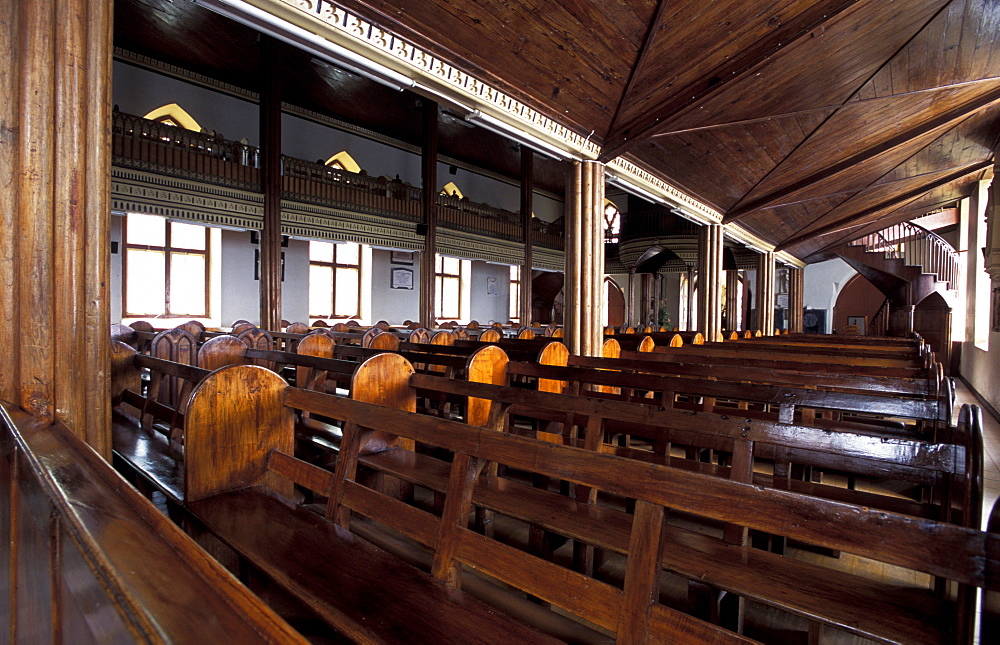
(640, 63)
(624, 136)
(270, 138)
(944, 120)
(908, 196)
(527, 195)
(825, 108)
(428, 173)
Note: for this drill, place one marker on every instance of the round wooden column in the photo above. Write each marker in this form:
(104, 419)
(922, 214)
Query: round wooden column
(584, 283)
(734, 303)
(55, 169)
(796, 299)
(710, 281)
(765, 293)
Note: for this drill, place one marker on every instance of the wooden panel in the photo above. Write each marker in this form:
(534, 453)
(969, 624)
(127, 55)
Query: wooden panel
(226, 438)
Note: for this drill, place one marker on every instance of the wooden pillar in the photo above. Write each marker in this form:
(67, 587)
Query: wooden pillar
(428, 174)
(765, 293)
(710, 281)
(734, 303)
(657, 298)
(647, 299)
(527, 194)
(630, 299)
(270, 173)
(796, 299)
(584, 285)
(692, 274)
(55, 142)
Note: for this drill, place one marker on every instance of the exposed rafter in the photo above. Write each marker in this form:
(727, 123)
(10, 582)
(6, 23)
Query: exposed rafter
(624, 136)
(905, 197)
(936, 124)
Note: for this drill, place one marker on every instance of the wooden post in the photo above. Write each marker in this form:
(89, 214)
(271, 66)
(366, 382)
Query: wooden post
(630, 298)
(710, 281)
(692, 274)
(428, 174)
(796, 299)
(734, 303)
(765, 293)
(270, 172)
(55, 213)
(527, 194)
(584, 284)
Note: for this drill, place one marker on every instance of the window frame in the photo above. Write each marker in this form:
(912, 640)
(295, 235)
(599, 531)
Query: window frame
(334, 265)
(168, 252)
(439, 277)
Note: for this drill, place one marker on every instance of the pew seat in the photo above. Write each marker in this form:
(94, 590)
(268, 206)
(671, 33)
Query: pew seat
(369, 594)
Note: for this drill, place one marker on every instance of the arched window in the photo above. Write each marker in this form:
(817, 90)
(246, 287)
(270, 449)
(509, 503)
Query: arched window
(452, 190)
(343, 161)
(612, 222)
(174, 115)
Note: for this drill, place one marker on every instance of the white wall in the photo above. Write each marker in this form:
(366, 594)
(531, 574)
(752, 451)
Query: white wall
(138, 91)
(490, 306)
(393, 305)
(979, 365)
(823, 283)
(295, 288)
(240, 292)
(116, 269)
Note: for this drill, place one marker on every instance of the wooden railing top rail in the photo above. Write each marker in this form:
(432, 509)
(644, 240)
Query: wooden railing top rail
(111, 552)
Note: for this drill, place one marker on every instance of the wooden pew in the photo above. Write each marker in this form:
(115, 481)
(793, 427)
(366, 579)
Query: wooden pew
(94, 562)
(367, 593)
(252, 521)
(949, 470)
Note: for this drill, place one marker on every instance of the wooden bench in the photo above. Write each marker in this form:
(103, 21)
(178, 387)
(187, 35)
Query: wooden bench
(252, 521)
(365, 592)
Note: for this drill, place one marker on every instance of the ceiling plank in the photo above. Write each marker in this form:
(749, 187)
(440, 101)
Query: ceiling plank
(640, 63)
(939, 121)
(746, 56)
(905, 197)
(825, 108)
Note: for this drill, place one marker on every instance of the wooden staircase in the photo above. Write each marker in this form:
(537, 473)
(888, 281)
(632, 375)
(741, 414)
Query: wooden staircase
(905, 262)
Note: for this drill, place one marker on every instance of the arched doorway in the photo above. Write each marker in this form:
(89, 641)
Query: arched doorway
(614, 303)
(857, 303)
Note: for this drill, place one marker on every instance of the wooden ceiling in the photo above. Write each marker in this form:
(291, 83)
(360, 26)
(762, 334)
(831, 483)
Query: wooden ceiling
(809, 123)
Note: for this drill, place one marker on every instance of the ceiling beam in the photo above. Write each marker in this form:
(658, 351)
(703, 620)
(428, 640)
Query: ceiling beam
(945, 120)
(640, 63)
(908, 196)
(894, 217)
(824, 108)
(623, 136)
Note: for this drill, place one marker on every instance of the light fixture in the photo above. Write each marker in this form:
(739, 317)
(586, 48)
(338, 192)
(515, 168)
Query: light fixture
(497, 126)
(271, 25)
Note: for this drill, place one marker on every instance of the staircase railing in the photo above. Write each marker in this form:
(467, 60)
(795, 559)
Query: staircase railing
(879, 324)
(916, 246)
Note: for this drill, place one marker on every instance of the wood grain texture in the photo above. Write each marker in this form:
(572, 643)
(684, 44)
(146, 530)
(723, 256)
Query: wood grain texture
(227, 438)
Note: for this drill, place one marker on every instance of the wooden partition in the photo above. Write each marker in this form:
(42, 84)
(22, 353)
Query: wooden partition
(86, 559)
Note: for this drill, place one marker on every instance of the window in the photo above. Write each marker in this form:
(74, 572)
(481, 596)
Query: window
(515, 294)
(344, 161)
(174, 115)
(166, 268)
(612, 222)
(334, 280)
(448, 272)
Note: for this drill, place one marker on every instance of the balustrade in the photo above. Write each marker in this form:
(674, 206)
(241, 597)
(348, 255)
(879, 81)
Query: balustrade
(207, 157)
(916, 246)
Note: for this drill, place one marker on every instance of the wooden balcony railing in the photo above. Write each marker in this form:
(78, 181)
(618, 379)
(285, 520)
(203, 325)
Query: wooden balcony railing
(207, 157)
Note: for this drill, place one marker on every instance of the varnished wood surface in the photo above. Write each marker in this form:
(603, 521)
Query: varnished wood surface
(105, 546)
